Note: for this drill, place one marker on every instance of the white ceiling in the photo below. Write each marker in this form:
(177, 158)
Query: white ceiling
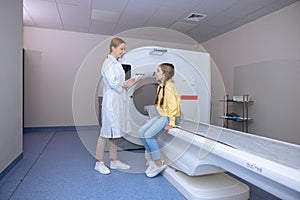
(110, 17)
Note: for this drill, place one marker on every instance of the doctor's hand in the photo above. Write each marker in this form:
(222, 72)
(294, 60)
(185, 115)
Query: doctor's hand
(129, 83)
(168, 127)
(138, 78)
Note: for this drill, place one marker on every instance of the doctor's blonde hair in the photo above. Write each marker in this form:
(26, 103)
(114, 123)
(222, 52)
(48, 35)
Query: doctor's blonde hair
(115, 42)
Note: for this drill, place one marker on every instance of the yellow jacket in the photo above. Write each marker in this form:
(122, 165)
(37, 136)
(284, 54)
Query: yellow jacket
(171, 103)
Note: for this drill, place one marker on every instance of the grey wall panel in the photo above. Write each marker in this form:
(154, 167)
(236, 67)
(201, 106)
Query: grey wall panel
(274, 87)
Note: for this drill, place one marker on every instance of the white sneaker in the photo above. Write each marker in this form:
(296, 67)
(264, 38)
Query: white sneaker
(150, 164)
(101, 168)
(118, 165)
(155, 170)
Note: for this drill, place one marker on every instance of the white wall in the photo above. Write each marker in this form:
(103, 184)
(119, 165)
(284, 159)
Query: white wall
(11, 22)
(52, 59)
(269, 41)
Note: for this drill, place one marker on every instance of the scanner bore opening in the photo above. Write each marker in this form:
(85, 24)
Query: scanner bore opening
(143, 96)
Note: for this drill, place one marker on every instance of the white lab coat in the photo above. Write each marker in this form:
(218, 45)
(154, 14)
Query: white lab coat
(115, 114)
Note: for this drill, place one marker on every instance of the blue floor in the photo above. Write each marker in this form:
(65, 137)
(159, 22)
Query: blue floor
(57, 166)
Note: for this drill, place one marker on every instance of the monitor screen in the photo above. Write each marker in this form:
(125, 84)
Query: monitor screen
(127, 70)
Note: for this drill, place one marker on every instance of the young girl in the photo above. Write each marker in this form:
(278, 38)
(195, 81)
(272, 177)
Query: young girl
(114, 107)
(167, 104)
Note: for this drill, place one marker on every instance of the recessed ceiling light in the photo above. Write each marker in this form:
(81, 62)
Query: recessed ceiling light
(195, 17)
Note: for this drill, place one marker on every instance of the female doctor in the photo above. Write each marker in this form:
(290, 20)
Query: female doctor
(115, 123)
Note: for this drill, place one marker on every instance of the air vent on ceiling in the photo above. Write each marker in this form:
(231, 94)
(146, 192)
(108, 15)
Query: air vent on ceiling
(195, 17)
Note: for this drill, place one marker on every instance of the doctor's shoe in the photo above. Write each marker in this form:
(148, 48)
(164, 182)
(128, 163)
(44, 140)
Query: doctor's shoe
(101, 168)
(118, 165)
(155, 170)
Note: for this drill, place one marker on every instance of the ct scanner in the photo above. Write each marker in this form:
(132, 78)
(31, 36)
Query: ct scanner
(192, 79)
(198, 153)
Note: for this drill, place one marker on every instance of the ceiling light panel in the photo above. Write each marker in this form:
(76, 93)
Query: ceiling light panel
(104, 15)
(75, 14)
(164, 18)
(101, 27)
(73, 2)
(209, 7)
(183, 5)
(130, 22)
(141, 8)
(110, 5)
(136, 14)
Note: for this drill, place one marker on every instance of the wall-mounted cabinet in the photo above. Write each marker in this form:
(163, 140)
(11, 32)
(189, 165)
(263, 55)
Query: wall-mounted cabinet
(243, 115)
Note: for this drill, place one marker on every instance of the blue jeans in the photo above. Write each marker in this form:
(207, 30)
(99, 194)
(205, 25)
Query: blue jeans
(148, 132)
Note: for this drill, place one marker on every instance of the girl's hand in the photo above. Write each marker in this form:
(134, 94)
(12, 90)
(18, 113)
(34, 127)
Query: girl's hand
(168, 127)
